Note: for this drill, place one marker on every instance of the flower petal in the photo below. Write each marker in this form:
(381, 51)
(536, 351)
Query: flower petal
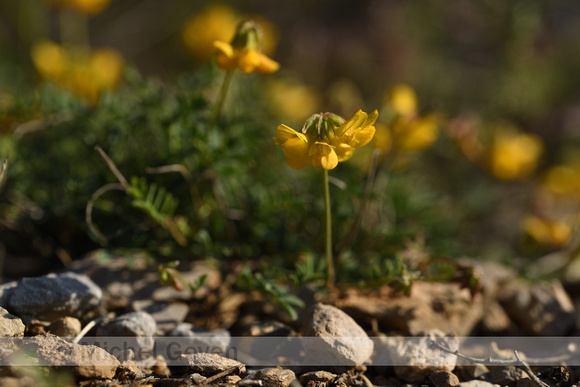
(323, 155)
(267, 65)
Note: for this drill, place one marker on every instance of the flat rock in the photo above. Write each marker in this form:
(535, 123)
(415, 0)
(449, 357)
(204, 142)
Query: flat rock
(340, 340)
(10, 325)
(208, 364)
(431, 305)
(543, 309)
(414, 359)
(86, 361)
(52, 296)
(139, 325)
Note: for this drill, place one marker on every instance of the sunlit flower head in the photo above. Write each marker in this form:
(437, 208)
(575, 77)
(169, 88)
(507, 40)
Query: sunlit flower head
(83, 72)
(90, 7)
(325, 139)
(514, 155)
(245, 51)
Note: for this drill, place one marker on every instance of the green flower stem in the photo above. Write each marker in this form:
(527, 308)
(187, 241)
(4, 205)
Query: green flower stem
(329, 261)
(221, 97)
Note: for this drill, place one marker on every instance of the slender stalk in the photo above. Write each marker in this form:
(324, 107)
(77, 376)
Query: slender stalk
(329, 260)
(221, 98)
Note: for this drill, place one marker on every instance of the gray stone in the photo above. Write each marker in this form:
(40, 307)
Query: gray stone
(10, 325)
(208, 364)
(339, 339)
(444, 379)
(211, 341)
(65, 327)
(167, 315)
(414, 359)
(543, 309)
(139, 325)
(52, 296)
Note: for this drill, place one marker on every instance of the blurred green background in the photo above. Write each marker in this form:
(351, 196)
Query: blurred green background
(498, 180)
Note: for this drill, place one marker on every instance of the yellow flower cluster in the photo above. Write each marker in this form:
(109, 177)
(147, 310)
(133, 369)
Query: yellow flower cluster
(563, 180)
(547, 232)
(407, 131)
(246, 59)
(326, 139)
(217, 22)
(245, 51)
(90, 7)
(84, 72)
(514, 155)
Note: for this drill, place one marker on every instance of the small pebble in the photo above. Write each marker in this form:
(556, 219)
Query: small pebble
(65, 327)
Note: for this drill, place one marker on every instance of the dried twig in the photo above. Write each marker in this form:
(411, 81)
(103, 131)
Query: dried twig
(114, 169)
(89, 209)
(90, 325)
(227, 372)
(518, 362)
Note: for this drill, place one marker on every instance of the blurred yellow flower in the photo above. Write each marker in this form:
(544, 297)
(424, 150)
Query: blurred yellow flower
(244, 51)
(416, 134)
(247, 59)
(409, 132)
(563, 179)
(326, 139)
(83, 72)
(547, 231)
(403, 99)
(90, 7)
(514, 155)
(217, 22)
(293, 101)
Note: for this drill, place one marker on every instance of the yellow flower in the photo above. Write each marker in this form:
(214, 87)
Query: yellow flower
(416, 134)
(295, 146)
(217, 22)
(245, 51)
(514, 155)
(563, 180)
(248, 60)
(326, 139)
(403, 100)
(84, 73)
(546, 231)
(90, 7)
(408, 131)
